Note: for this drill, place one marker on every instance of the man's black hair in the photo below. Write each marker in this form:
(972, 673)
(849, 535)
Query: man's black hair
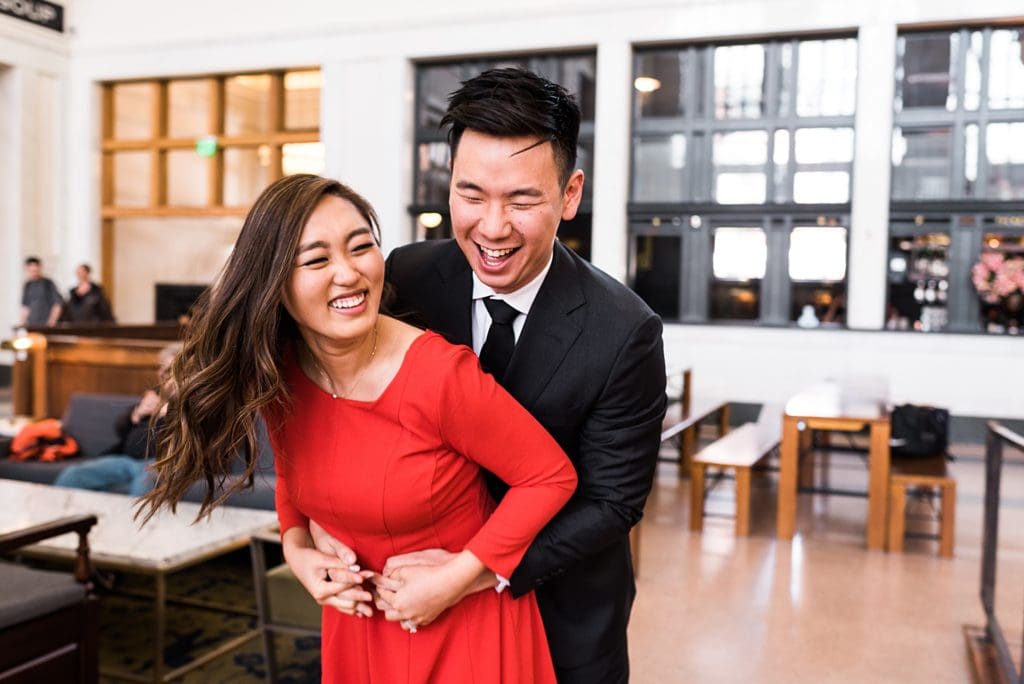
(33, 261)
(514, 102)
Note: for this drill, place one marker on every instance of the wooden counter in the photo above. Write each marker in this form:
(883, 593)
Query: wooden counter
(102, 362)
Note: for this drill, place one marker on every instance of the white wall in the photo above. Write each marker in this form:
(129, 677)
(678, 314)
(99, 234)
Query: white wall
(972, 375)
(33, 81)
(10, 198)
(365, 50)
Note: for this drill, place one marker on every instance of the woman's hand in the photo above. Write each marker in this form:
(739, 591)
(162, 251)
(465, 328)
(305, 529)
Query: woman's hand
(327, 578)
(326, 543)
(416, 594)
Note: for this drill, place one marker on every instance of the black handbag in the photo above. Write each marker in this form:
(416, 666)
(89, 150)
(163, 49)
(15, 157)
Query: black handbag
(919, 430)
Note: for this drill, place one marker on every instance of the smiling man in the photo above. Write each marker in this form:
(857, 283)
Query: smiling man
(578, 349)
(507, 199)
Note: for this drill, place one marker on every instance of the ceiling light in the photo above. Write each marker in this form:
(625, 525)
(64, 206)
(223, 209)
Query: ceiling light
(646, 84)
(430, 219)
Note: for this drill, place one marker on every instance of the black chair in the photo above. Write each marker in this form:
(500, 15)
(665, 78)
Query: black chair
(48, 619)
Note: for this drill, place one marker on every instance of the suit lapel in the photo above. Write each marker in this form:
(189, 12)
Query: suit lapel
(551, 329)
(454, 298)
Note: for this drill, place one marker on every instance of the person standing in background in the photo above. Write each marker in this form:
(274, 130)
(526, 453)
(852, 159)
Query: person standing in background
(41, 303)
(86, 301)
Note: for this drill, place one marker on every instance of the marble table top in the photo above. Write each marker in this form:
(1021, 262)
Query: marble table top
(166, 543)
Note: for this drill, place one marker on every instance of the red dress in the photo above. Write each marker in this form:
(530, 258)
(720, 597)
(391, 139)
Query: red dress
(403, 473)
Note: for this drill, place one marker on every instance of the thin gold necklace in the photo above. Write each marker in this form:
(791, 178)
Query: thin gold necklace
(359, 375)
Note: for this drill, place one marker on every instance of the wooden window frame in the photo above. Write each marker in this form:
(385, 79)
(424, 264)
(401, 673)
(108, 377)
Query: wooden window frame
(158, 144)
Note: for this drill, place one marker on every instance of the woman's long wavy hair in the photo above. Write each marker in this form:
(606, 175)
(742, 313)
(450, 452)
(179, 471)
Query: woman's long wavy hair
(229, 368)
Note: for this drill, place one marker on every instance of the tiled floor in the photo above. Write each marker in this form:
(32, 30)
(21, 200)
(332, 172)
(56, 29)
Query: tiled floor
(714, 608)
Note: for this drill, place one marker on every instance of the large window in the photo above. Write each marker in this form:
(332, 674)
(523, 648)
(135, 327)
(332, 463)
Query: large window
(957, 172)
(742, 158)
(436, 80)
(182, 161)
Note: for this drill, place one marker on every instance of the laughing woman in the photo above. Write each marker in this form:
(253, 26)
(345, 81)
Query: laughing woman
(380, 434)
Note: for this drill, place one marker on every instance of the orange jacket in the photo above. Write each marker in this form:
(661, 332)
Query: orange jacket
(44, 440)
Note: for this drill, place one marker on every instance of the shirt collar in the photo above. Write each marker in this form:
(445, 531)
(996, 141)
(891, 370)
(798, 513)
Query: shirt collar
(522, 299)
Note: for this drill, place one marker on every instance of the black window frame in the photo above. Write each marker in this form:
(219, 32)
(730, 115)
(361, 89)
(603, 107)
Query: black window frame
(964, 216)
(694, 218)
(577, 233)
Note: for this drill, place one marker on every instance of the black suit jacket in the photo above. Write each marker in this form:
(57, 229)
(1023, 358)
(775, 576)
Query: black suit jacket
(589, 365)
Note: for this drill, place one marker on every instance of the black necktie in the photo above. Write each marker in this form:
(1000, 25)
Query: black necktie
(501, 339)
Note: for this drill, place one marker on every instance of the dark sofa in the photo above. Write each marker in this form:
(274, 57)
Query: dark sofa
(90, 419)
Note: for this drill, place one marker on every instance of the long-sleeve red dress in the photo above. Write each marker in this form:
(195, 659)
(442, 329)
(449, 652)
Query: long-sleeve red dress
(403, 473)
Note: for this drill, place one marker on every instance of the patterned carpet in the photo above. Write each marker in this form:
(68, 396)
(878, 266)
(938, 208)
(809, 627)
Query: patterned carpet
(126, 627)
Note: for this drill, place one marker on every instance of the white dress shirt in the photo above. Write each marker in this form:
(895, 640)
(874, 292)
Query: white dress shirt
(521, 300)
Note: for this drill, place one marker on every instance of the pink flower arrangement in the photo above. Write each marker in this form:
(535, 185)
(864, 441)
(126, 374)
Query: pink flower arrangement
(995, 276)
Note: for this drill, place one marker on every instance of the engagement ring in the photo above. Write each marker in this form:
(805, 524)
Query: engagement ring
(409, 626)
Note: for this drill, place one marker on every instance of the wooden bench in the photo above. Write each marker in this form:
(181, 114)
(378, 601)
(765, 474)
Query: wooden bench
(930, 472)
(739, 450)
(684, 425)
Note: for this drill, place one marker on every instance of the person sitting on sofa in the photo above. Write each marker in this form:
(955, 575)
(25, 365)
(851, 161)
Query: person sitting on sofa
(126, 470)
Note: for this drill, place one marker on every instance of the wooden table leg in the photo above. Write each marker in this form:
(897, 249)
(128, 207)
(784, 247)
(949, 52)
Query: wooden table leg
(806, 458)
(697, 474)
(878, 485)
(785, 518)
(687, 448)
(947, 535)
(897, 515)
(685, 397)
(742, 502)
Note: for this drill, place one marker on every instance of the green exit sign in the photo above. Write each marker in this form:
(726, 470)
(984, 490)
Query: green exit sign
(206, 146)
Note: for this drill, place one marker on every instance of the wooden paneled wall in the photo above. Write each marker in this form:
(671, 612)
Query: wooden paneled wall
(61, 365)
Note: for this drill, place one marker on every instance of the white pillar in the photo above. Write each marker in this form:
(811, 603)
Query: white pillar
(366, 127)
(10, 202)
(82, 176)
(869, 222)
(610, 241)
(32, 198)
(42, 165)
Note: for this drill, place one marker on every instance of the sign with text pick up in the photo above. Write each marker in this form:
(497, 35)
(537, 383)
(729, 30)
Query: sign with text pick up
(39, 12)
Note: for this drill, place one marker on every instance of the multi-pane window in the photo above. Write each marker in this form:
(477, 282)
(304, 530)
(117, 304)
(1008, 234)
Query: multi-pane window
(742, 160)
(183, 159)
(436, 81)
(207, 143)
(957, 166)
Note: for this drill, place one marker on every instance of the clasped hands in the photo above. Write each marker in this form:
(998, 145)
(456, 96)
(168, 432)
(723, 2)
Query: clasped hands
(411, 589)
